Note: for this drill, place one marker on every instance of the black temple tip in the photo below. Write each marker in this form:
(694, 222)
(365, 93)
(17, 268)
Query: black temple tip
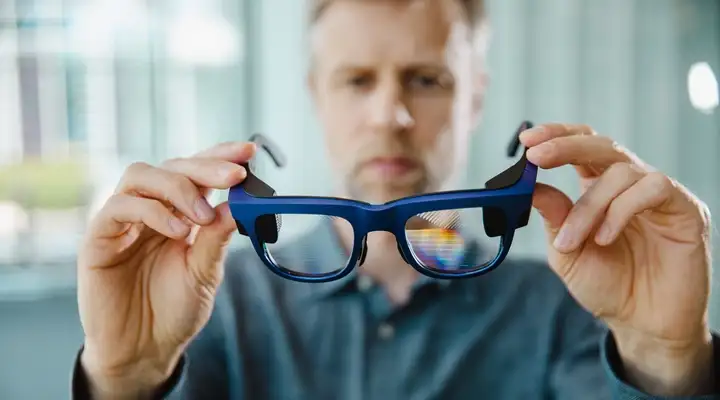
(515, 142)
(272, 149)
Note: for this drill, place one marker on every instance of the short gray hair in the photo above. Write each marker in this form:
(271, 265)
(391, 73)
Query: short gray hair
(474, 9)
(475, 13)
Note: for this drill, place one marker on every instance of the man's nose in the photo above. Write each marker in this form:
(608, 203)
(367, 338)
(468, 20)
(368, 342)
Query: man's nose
(389, 112)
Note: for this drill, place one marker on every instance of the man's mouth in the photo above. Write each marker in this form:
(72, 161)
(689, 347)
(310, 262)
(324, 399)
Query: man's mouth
(391, 166)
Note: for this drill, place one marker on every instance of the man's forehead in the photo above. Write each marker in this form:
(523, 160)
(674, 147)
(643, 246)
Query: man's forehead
(357, 32)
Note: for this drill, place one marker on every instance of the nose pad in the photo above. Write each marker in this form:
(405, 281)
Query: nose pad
(241, 229)
(363, 252)
(494, 221)
(267, 228)
(524, 219)
(401, 254)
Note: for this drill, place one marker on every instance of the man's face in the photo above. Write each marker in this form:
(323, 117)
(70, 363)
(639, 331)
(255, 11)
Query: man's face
(393, 88)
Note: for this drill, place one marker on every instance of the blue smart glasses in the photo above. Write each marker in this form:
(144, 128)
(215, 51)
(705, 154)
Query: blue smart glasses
(428, 228)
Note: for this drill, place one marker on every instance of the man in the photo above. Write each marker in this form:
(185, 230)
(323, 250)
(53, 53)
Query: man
(398, 87)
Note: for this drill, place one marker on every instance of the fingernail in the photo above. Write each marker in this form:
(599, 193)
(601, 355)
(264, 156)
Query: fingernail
(535, 152)
(232, 172)
(203, 210)
(563, 240)
(249, 149)
(178, 226)
(532, 131)
(541, 150)
(603, 234)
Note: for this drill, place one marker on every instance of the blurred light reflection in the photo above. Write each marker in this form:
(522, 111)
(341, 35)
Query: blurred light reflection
(703, 87)
(203, 40)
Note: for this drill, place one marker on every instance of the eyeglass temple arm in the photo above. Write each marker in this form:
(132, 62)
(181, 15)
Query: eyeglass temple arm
(254, 185)
(272, 149)
(511, 175)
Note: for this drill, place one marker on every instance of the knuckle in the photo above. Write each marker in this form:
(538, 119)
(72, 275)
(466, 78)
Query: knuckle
(586, 130)
(181, 187)
(661, 184)
(132, 172)
(587, 201)
(619, 169)
(619, 148)
(624, 171)
(207, 279)
(154, 207)
(705, 214)
(609, 142)
(136, 168)
(171, 162)
(115, 201)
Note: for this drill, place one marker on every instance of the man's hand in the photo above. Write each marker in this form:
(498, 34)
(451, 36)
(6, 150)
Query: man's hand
(635, 251)
(149, 267)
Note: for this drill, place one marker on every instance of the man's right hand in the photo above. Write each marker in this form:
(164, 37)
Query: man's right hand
(149, 268)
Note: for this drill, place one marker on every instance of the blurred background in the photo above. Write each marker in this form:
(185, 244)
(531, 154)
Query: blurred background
(88, 86)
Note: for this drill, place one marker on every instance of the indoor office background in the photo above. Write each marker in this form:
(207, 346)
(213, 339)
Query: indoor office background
(88, 86)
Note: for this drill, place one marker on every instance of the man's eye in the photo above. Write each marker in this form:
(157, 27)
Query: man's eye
(424, 82)
(359, 81)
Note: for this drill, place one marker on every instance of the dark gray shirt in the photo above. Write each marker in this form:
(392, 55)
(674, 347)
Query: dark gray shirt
(514, 333)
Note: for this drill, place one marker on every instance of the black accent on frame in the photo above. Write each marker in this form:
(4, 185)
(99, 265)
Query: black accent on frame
(511, 175)
(494, 218)
(267, 227)
(363, 254)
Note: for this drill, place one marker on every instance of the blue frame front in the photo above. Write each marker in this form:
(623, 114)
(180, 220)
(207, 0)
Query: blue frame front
(515, 201)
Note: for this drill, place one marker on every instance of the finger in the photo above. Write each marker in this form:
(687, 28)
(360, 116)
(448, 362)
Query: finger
(590, 209)
(122, 210)
(593, 153)
(207, 172)
(553, 206)
(237, 152)
(208, 249)
(651, 192)
(542, 133)
(168, 187)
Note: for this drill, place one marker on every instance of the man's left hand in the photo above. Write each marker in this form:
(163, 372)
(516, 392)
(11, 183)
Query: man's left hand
(634, 250)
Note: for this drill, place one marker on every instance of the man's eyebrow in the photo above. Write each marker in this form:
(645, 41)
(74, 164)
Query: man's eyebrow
(434, 66)
(342, 68)
(412, 66)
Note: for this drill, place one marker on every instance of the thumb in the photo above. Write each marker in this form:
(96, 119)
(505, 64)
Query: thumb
(206, 254)
(553, 206)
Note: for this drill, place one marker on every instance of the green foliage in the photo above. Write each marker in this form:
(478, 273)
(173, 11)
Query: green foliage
(42, 184)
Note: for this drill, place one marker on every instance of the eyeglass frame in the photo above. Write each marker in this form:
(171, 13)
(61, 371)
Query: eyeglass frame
(506, 202)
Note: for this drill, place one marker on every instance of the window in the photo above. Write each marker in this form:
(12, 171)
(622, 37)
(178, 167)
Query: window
(88, 86)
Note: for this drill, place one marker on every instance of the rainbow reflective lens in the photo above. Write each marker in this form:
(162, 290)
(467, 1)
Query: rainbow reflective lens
(433, 231)
(437, 248)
